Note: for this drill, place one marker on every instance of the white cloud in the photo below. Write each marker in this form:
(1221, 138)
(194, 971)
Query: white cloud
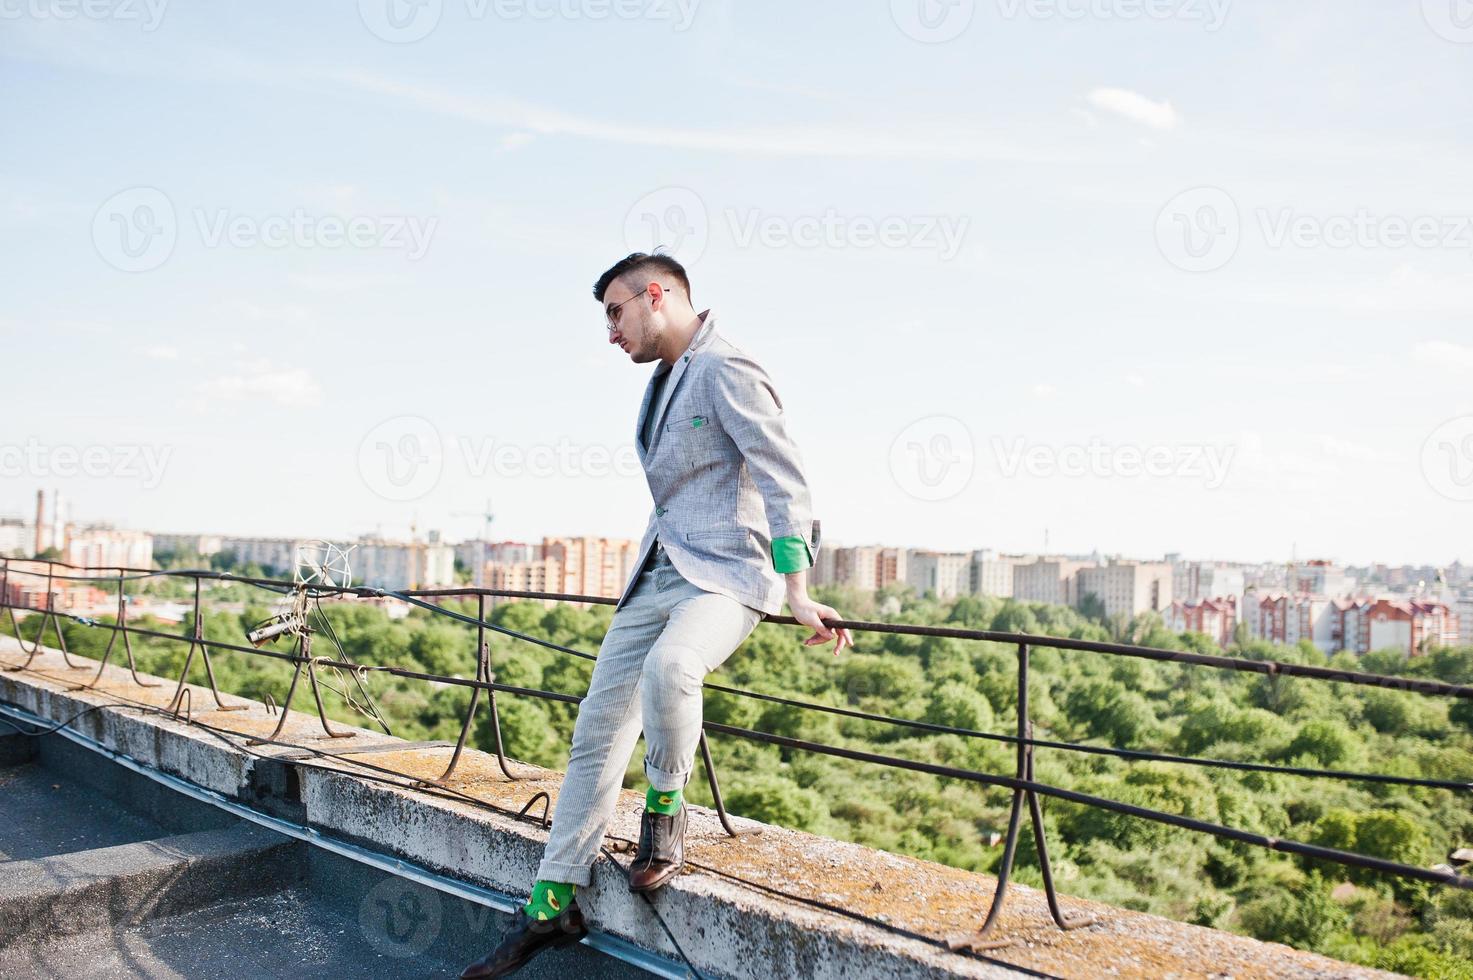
(1135, 107)
(1444, 353)
(163, 352)
(259, 381)
(945, 141)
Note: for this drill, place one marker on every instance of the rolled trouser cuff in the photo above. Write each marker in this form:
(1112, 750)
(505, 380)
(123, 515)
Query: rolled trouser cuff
(665, 781)
(571, 874)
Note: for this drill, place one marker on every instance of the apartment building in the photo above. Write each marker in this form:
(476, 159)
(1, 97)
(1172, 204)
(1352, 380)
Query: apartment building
(106, 547)
(1358, 625)
(203, 545)
(946, 574)
(591, 566)
(992, 574)
(1216, 618)
(1047, 579)
(1195, 581)
(1126, 587)
(867, 567)
(383, 564)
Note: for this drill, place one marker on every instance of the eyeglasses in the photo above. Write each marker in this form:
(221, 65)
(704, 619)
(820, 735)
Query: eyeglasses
(611, 314)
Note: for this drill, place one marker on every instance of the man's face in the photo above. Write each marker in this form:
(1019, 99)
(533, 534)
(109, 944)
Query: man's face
(638, 323)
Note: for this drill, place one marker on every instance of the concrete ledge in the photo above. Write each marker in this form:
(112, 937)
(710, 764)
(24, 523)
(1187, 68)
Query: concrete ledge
(736, 910)
(129, 883)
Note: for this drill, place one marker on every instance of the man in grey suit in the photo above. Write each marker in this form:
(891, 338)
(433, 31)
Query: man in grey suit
(730, 537)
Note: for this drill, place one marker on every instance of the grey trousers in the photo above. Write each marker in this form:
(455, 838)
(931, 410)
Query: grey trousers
(658, 650)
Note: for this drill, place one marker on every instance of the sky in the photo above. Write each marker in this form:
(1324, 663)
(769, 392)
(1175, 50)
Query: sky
(1136, 276)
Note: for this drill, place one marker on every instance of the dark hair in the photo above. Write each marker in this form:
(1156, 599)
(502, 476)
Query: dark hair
(638, 262)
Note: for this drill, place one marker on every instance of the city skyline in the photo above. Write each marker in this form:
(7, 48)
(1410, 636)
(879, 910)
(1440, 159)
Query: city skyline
(424, 533)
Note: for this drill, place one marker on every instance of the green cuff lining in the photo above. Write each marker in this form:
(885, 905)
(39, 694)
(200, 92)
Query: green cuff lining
(791, 554)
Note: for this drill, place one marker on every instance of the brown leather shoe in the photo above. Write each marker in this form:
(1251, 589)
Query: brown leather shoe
(525, 939)
(661, 851)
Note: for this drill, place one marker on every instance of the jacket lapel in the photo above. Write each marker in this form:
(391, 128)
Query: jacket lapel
(701, 338)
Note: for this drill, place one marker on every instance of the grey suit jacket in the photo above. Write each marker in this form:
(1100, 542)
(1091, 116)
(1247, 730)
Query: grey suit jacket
(725, 476)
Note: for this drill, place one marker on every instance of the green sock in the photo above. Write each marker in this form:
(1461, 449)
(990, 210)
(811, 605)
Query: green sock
(548, 900)
(662, 801)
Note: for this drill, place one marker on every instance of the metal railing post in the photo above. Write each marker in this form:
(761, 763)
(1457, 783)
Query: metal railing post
(198, 639)
(122, 625)
(1024, 771)
(483, 675)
